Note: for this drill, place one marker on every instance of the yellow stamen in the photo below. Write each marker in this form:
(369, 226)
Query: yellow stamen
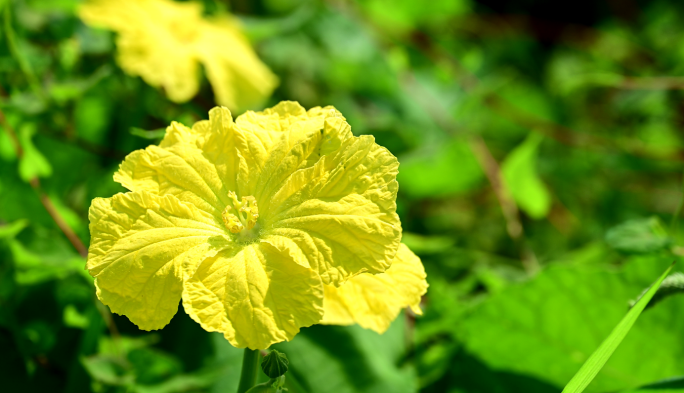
(246, 213)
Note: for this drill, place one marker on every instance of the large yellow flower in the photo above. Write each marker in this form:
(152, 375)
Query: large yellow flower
(246, 221)
(375, 300)
(165, 41)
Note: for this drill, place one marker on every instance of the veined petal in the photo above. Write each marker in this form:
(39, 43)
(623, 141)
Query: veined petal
(142, 246)
(255, 295)
(266, 139)
(181, 170)
(374, 301)
(341, 211)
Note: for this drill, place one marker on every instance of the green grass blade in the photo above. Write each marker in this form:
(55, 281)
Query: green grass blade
(599, 358)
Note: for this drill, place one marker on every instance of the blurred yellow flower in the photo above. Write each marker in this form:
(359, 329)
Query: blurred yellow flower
(374, 300)
(164, 42)
(246, 221)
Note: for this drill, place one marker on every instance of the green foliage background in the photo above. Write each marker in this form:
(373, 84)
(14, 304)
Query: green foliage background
(541, 152)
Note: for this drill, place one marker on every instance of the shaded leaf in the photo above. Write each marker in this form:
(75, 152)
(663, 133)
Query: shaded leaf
(639, 236)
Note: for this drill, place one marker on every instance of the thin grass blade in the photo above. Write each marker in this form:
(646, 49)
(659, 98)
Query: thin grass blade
(599, 358)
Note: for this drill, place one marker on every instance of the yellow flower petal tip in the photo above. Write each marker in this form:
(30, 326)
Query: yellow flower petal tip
(374, 301)
(245, 220)
(164, 42)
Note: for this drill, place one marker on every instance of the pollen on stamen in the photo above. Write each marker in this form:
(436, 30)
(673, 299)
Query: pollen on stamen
(245, 213)
(231, 221)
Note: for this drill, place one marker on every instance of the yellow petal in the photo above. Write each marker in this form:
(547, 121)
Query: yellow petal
(240, 80)
(330, 193)
(341, 212)
(181, 170)
(142, 246)
(155, 41)
(255, 295)
(165, 41)
(374, 301)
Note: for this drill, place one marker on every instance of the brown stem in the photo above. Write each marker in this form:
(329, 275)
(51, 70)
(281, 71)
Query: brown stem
(44, 199)
(503, 195)
(493, 173)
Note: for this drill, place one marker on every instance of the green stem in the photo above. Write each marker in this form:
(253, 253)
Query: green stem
(250, 366)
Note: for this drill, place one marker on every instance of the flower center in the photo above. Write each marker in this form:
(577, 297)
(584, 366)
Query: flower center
(242, 214)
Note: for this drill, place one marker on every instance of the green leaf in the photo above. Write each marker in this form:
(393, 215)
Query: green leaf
(639, 236)
(599, 358)
(108, 369)
(151, 134)
(548, 327)
(447, 169)
(672, 285)
(33, 163)
(348, 360)
(7, 152)
(423, 245)
(11, 230)
(520, 174)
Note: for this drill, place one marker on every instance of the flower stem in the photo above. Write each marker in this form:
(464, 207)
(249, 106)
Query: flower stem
(250, 366)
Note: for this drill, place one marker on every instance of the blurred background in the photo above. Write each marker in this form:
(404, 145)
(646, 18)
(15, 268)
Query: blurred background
(541, 152)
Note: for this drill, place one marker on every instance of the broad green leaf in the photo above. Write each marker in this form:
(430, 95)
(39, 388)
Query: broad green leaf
(447, 169)
(548, 327)
(348, 360)
(599, 358)
(639, 236)
(520, 174)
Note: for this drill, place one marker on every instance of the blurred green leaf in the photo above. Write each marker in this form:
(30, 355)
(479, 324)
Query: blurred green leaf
(520, 174)
(639, 236)
(11, 230)
(404, 15)
(427, 244)
(32, 164)
(108, 369)
(446, 169)
(151, 134)
(548, 327)
(152, 366)
(7, 151)
(349, 359)
(598, 359)
(92, 117)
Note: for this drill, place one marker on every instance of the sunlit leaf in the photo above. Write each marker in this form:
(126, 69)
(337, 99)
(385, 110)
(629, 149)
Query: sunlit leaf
(520, 174)
(447, 169)
(33, 163)
(599, 358)
(548, 327)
